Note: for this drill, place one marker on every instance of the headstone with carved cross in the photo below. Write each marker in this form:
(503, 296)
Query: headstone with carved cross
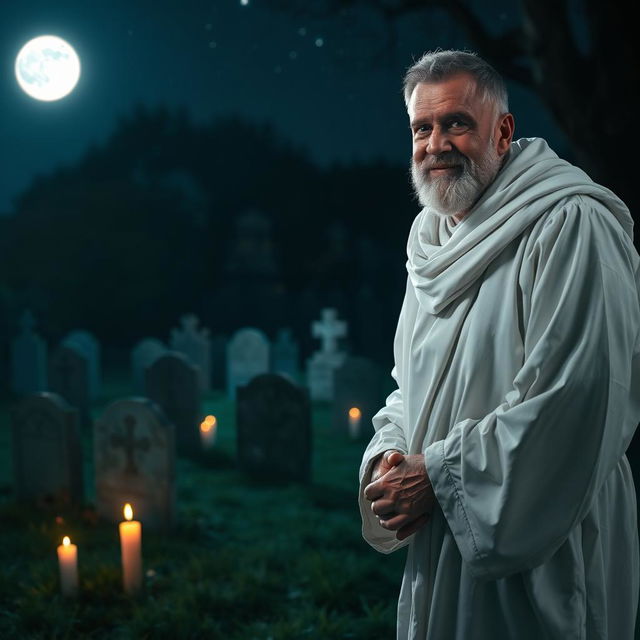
(143, 355)
(195, 343)
(247, 357)
(28, 358)
(172, 383)
(69, 377)
(47, 456)
(134, 458)
(322, 364)
(274, 430)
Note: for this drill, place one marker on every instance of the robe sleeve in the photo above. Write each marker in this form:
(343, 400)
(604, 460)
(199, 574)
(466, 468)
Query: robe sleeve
(514, 483)
(389, 434)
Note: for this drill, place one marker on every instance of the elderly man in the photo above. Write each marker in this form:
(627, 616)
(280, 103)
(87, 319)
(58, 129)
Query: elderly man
(499, 461)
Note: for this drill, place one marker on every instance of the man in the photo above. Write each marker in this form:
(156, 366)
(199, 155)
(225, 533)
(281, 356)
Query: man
(499, 461)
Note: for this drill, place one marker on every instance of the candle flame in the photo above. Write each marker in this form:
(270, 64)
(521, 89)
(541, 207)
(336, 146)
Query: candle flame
(210, 420)
(354, 412)
(66, 541)
(128, 512)
(204, 427)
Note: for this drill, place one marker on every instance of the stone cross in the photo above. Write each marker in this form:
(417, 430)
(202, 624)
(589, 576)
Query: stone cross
(329, 329)
(129, 443)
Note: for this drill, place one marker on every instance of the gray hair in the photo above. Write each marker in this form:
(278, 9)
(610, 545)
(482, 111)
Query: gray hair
(438, 65)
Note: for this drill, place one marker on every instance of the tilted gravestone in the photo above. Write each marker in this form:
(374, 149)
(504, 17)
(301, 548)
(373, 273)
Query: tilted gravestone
(172, 382)
(28, 358)
(143, 355)
(195, 343)
(274, 430)
(47, 452)
(69, 377)
(285, 356)
(134, 459)
(88, 345)
(247, 357)
(359, 384)
(322, 364)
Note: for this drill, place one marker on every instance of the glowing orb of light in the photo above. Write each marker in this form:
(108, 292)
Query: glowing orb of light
(47, 68)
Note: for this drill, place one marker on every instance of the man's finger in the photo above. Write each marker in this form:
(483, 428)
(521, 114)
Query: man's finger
(373, 491)
(382, 507)
(396, 522)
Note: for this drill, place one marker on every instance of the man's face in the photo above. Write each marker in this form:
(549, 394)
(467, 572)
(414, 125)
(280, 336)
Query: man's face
(458, 144)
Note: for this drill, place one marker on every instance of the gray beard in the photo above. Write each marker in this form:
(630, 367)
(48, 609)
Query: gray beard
(450, 195)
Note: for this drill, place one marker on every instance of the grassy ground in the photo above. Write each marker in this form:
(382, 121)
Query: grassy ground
(245, 561)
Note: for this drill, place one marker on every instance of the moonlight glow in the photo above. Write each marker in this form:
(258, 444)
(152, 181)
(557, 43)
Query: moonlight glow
(47, 68)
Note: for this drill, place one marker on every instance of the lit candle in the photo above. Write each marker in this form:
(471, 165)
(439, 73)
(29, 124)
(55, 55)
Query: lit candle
(208, 429)
(355, 415)
(131, 545)
(68, 562)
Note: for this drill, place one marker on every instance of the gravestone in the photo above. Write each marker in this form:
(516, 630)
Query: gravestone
(285, 356)
(134, 460)
(47, 454)
(323, 363)
(143, 355)
(219, 362)
(195, 343)
(87, 345)
(247, 357)
(172, 382)
(28, 358)
(359, 384)
(274, 430)
(69, 377)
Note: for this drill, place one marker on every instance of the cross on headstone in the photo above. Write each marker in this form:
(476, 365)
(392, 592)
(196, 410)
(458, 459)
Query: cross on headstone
(129, 443)
(329, 329)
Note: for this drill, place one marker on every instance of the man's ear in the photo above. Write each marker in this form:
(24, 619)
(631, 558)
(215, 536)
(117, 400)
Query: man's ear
(504, 133)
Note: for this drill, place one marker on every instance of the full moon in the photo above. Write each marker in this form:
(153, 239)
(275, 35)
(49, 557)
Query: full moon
(47, 68)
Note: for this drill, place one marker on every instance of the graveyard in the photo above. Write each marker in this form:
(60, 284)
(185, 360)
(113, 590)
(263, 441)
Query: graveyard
(240, 461)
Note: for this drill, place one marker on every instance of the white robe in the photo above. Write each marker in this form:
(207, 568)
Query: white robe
(518, 372)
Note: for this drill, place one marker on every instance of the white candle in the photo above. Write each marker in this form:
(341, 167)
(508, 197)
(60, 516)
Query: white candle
(68, 562)
(208, 430)
(355, 416)
(131, 546)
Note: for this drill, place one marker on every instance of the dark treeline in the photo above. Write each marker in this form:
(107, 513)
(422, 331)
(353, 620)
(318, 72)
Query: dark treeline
(226, 221)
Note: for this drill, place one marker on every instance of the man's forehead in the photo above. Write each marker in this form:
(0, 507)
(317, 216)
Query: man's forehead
(457, 92)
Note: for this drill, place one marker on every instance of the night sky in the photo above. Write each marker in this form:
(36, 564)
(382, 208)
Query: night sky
(330, 86)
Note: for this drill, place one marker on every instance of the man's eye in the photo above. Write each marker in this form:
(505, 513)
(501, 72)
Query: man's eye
(457, 124)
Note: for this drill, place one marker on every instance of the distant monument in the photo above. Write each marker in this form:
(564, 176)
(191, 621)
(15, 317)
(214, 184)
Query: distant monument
(322, 364)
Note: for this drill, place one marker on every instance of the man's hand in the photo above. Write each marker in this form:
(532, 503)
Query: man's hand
(401, 494)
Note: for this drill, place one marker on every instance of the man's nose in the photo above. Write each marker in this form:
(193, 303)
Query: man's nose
(438, 142)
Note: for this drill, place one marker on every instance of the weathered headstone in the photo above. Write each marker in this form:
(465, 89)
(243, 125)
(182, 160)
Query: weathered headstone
(285, 354)
(28, 358)
(359, 384)
(134, 459)
(274, 430)
(247, 357)
(172, 382)
(143, 355)
(69, 377)
(195, 343)
(323, 363)
(47, 454)
(88, 345)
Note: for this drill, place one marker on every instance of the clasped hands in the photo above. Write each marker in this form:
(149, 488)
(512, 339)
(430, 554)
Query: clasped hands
(400, 492)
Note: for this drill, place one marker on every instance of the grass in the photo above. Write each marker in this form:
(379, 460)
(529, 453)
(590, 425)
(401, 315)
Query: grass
(246, 560)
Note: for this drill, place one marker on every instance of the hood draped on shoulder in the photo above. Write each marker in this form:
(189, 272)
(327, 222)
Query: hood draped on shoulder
(444, 260)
